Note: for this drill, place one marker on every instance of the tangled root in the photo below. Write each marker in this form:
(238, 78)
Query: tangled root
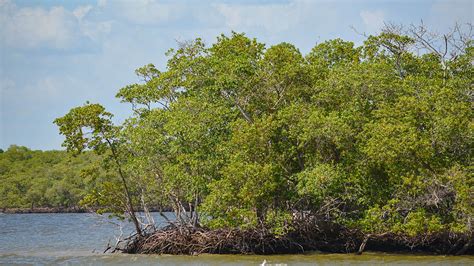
(321, 236)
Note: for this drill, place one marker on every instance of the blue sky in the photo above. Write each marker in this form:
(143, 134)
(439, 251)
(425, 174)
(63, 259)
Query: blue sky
(55, 55)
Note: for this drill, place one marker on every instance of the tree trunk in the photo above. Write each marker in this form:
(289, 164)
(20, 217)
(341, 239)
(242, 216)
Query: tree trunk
(130, 208)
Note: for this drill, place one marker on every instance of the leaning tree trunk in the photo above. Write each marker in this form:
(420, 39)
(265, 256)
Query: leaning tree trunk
(130, 208)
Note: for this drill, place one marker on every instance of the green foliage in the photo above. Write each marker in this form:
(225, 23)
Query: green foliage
(243, 135)
(320, 182)
(43, 179)
(88, 126)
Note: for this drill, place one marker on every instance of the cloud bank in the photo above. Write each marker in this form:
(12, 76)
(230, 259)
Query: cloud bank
(33, 28)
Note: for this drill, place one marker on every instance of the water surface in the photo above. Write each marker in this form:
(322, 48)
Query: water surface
(79, 239)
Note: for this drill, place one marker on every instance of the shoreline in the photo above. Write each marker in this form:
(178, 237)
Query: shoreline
(327, 237)
(74, 209)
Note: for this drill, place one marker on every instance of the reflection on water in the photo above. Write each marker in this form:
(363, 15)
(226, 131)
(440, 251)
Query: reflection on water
(78, 239)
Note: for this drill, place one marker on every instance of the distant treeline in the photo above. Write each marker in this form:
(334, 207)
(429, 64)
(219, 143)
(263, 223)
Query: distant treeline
(34, 178)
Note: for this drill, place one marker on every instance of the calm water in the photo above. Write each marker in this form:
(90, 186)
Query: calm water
(79, 239)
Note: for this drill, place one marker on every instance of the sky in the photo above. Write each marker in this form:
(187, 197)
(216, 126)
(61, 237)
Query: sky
(56, 54)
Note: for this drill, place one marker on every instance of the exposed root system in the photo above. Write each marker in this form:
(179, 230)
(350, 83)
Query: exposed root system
(323, 236)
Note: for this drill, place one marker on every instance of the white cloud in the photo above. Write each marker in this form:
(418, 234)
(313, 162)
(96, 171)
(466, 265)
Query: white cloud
(44, 90)
(101, 3)
(145, 12)
(373, 20)
(96, 30)
(81, 11)
(270, 17)
(49, 88)
(53, 28)
(449, 12)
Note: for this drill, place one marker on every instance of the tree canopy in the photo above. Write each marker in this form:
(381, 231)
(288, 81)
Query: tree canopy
(238, 135)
